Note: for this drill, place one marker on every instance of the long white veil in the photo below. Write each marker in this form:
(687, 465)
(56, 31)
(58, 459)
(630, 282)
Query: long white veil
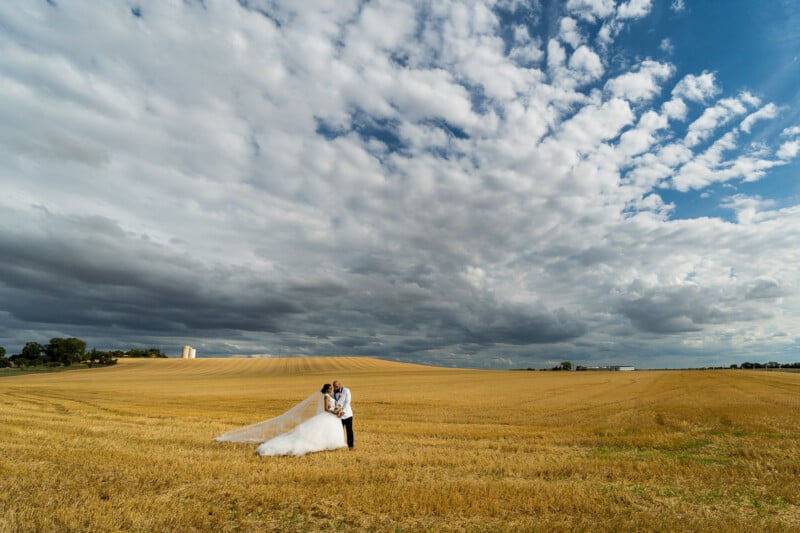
(267, 429)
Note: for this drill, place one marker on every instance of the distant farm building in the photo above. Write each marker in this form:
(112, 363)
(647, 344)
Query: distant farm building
(188, 352)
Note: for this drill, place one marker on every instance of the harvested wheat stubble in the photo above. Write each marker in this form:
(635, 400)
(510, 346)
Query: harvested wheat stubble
(130, 448)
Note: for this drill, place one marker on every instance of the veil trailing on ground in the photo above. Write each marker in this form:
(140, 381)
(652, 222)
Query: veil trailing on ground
(267, 429)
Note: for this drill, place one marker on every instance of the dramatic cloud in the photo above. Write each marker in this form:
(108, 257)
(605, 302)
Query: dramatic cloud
(470, 183)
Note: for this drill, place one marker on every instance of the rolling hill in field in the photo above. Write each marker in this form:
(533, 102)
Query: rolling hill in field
(221, 368)
(253, 367)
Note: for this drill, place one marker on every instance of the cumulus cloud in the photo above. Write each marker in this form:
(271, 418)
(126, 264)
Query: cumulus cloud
(437, 182)
(591, 9)
(642, 84)
(696, 88)
(767, 112)
(712, 118)
(747, 208)
(788, 150)
(527, 50)
(675, 109)
(634, 9)
(711, 166)
(569, 32)
(586, 64)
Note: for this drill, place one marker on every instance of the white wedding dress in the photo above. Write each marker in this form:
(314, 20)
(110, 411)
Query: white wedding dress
(305, 428)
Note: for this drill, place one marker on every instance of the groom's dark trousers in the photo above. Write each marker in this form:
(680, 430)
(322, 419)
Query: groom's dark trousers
(348, 427)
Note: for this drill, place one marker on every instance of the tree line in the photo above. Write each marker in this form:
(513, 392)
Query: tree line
(66, 352)
(567, 366)
(771, 364)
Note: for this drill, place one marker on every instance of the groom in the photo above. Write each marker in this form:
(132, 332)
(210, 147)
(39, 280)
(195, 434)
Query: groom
(342, 397)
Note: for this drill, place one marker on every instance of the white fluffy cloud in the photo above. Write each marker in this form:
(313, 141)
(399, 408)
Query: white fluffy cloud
(696, 88)
(765, 113)
(591, 9)
(634, 9)
(642, 84)
(569, 32)
(712, 118)
(788, 150)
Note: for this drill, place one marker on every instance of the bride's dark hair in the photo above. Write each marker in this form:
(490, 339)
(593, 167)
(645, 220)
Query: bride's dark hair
(326, 388)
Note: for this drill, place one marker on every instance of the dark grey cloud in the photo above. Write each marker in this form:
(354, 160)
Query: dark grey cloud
(764, 289)
(688, 308)
(87, 270)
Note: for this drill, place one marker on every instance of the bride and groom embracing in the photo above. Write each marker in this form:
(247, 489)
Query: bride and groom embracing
(313, 425)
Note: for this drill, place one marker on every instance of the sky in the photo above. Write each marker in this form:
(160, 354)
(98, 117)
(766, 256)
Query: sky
(487, 183)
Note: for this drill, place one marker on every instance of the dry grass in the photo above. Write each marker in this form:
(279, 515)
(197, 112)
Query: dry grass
(129, 448)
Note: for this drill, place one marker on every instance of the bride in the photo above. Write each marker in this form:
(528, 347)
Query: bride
(310, 426)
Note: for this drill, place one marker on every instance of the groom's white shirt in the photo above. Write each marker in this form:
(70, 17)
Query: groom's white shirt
(343, 401)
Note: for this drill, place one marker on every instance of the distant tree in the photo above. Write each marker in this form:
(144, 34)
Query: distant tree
(31, 355)
(96, 357)
(566, 365)
(734, 366)
(66, 351)
(31, 350)
(773, 364)
(151, 352)
(747, 364)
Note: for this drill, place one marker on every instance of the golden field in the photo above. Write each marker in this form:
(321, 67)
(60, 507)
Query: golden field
(130, 448)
